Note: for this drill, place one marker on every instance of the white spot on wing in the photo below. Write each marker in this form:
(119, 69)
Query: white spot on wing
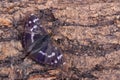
(64, 63)
(32, 37)
(53, 54)
(31, 14)
(40, 25)
(35, 20)
(31, 29)
(59, 57)
(55, 48)
(35, 26)
(42, 53)
(30, 22)
(55, 61)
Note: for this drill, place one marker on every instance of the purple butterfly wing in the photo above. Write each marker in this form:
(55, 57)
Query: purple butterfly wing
(48, 54)
(54, 56)
(42, 49)
(32, 31)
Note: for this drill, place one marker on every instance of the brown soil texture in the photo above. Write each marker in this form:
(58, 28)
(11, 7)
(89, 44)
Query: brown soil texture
(87, 31)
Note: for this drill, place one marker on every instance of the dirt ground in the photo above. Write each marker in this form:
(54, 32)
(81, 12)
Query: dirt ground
(87, 31)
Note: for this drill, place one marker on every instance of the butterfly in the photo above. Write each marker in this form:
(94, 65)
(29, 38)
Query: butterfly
(38, 44)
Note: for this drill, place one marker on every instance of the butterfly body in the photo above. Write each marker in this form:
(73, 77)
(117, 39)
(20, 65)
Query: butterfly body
(38, 43)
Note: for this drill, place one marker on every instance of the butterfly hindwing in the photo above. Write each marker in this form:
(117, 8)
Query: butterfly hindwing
(54, 56)
(48, 54)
